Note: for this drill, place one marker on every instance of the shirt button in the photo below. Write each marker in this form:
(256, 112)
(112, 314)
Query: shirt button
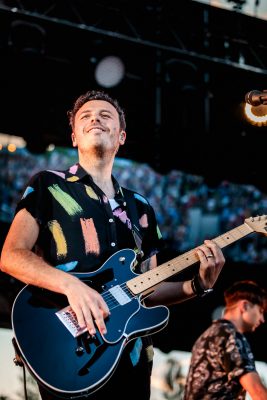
(113, 244)
(110, 220)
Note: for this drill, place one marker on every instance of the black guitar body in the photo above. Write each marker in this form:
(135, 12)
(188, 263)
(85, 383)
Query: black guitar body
(72, 366)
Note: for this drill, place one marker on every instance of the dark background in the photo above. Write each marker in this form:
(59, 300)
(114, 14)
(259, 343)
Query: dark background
(188, 67)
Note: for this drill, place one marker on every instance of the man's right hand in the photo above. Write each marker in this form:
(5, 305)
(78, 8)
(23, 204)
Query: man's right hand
(88, 305)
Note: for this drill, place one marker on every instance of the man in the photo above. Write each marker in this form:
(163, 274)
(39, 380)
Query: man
(74, 220)
(222, 364)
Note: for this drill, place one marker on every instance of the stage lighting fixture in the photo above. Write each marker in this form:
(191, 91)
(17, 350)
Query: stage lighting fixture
(109, 71)
(256, 115)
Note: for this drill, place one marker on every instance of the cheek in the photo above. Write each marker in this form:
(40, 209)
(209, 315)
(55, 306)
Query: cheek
(114, 135)
(114, 130)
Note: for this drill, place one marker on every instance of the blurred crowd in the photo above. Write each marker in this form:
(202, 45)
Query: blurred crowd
(187, 209)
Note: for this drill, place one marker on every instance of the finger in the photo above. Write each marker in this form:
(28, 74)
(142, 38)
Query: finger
(85, 318)
(80, 317)
(100, 311)
(98, 315)
(103, 307)
(101, 325)
(90, 322)
(212, 247)
(202, 256)
(206, 251)
(216, 251)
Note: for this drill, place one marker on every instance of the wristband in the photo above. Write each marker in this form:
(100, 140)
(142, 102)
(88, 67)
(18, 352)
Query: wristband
(197, 288)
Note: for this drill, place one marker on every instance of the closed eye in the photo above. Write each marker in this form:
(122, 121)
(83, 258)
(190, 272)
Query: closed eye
(105, 115)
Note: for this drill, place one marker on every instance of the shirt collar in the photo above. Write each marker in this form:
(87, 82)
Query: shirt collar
(77, 173)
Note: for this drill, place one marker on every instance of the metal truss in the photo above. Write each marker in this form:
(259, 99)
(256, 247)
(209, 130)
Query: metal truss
(191, 30)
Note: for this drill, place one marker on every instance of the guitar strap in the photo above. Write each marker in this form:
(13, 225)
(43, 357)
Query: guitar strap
(133, 215)
(146, 341)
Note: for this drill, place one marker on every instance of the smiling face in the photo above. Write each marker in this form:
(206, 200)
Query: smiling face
(97, 129)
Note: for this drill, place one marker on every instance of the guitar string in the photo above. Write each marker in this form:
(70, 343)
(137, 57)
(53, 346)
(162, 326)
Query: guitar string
(109, 297)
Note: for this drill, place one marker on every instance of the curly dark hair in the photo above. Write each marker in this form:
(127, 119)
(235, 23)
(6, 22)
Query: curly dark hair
(95, 95)
(246, 290)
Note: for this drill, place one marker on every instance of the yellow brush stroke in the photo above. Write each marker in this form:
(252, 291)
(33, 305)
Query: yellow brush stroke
(91, 193)
(73, 179)
(59, 238)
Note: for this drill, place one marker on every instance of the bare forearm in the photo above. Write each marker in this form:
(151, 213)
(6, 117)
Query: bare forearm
(29, 268)
(18, 260)
(169, 293)
(253, 384)
(259, 394)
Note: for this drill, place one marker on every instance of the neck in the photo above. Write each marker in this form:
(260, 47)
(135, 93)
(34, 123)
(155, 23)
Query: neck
(101, 175)
(105, 185)
(97, 164)
(236, 318)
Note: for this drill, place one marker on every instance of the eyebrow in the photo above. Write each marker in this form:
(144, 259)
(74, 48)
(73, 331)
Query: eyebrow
(101, 111)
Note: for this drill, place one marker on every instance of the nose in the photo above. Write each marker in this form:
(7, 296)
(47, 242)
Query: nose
(95, 118)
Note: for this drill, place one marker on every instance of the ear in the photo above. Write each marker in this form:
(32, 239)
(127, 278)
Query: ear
(122, 137)
(74, 143)
(244, 305)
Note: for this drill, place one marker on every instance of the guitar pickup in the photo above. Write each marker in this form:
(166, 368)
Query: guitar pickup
(68, 317)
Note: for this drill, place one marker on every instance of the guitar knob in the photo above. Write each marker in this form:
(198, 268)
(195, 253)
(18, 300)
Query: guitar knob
(79, 350)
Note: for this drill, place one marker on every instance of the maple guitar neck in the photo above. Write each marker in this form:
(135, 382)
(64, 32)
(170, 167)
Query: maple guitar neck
(149, 279)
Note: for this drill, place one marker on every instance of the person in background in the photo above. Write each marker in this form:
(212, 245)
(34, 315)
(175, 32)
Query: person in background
(222, 364)
(74, 220)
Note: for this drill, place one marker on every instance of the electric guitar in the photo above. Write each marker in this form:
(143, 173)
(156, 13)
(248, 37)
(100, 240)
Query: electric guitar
(64, 358)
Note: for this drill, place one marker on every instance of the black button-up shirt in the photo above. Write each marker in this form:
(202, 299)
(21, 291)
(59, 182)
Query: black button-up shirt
(78, 228)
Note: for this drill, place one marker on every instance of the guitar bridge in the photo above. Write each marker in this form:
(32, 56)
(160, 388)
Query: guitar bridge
(68, 317)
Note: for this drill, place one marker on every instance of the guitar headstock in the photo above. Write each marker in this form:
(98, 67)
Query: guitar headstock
(258, 223)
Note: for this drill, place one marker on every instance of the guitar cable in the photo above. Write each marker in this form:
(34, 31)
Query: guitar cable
(24, 382)
(19, 362)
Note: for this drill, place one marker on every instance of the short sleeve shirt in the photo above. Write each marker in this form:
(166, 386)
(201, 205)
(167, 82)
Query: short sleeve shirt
(79, 230)
(220, 356)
